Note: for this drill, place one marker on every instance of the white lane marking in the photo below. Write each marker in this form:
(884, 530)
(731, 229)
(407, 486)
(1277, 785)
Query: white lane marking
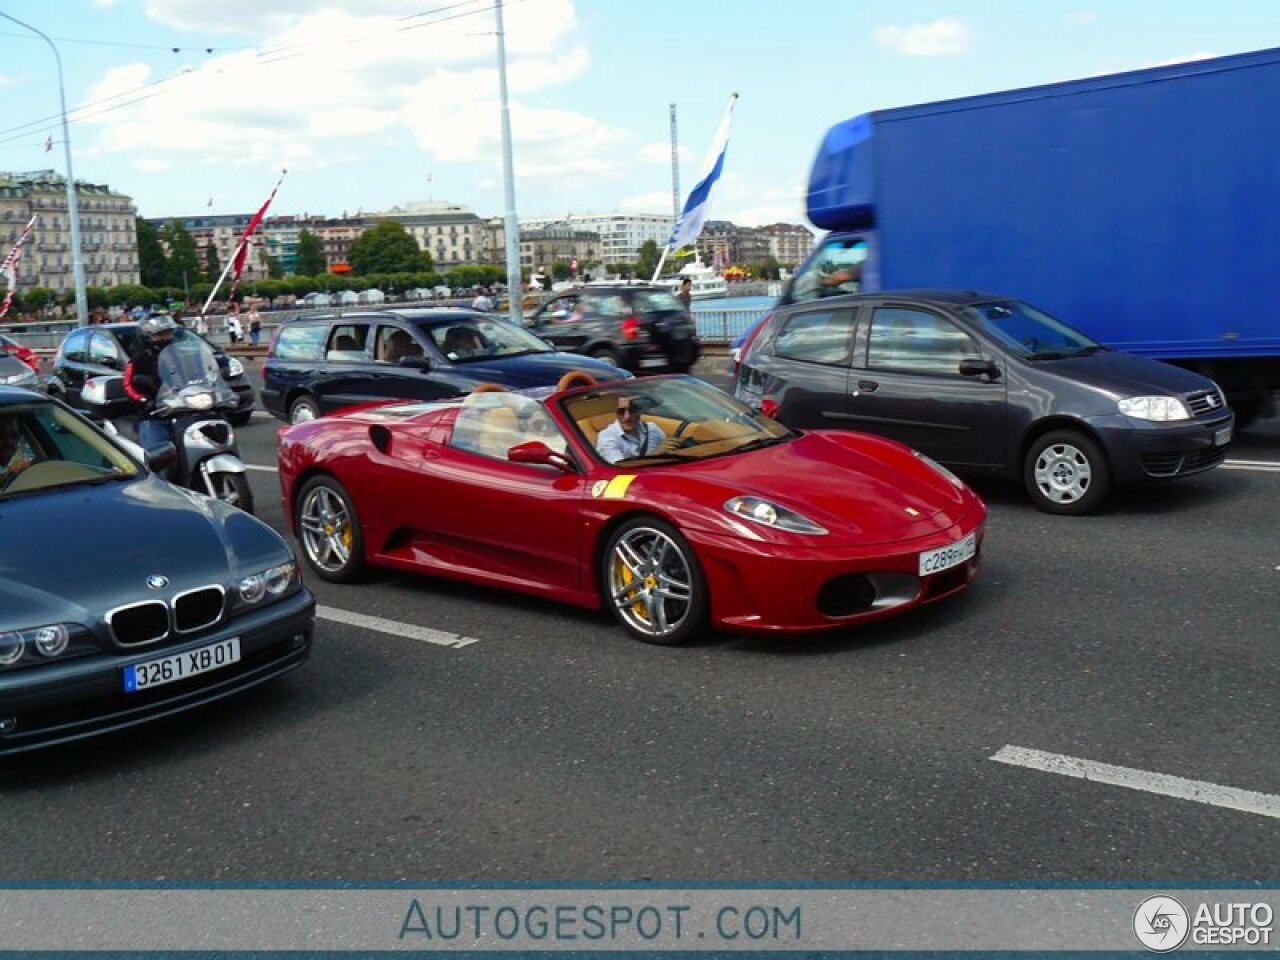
(1261, 466)
(254, 466)
(1198, 791)
(440, 638)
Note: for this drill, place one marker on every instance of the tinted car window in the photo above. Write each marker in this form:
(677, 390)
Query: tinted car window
(76, 347)
(394, 344)
(816, 336)
(102, 350)
(347, 340)
(655, 301)
(482, 338)
(1028, 332)
(301, 341)
(916, 341)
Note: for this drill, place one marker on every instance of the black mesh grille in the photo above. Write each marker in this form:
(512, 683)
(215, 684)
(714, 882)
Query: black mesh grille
(140, 623)
(846, 595)
(197, 609)
(1176, 464)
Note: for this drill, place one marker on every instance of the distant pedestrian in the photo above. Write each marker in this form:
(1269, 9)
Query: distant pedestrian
(685, 295)
(482, 301)
(235, 332)
(255, 325)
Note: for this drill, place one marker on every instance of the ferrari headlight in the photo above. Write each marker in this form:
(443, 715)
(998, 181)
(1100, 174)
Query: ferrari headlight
(1157, 409)
(234, 367)
(955, 481)
(770, 514)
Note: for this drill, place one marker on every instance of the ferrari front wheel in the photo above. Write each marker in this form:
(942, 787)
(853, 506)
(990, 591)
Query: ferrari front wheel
(652, 582)
(330, 530)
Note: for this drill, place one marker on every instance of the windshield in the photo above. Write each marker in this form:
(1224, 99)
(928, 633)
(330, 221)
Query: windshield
(43, 446)
(189, 377)
(1030, 333)
(697, 419)
(481, 338)
(657, 301)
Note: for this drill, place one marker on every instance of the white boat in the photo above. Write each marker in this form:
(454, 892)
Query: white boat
(707, 284)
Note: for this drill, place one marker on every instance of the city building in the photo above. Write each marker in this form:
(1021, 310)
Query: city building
(789, 243)
(451, 233)
(108, 234)
(541, 250)
(621, 234)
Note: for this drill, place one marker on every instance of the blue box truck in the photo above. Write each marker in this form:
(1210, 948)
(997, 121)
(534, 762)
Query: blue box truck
(1142, 208)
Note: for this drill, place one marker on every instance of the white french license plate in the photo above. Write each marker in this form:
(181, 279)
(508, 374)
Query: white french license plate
(179, 666)
(1222, 437)
(653, 361)
(952, 555)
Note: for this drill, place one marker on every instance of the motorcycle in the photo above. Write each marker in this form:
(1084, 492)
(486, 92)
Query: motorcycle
(194, 400)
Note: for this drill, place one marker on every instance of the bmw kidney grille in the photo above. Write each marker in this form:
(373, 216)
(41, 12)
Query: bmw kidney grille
(153, 620)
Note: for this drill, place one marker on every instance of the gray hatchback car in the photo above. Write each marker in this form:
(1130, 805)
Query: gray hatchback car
(986, 384)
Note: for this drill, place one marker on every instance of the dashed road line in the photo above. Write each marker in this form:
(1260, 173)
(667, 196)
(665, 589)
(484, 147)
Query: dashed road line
(440, 638)
(1198, 791)
(1260, 466)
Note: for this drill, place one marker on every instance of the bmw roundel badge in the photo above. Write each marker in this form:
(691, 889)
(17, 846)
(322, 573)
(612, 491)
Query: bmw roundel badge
(157, 581)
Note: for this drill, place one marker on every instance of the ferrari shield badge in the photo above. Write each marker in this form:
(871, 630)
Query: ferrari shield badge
(614, 489)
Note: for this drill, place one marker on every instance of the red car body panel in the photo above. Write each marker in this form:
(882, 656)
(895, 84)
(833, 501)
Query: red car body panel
(429, 507)
(23, 353)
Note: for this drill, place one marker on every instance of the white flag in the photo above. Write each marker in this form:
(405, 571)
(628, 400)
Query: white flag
(696, 206)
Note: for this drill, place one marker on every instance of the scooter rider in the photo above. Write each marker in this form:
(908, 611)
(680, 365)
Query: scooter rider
(142, 379)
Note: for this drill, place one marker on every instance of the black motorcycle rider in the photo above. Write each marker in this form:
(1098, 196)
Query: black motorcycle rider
(142, 379)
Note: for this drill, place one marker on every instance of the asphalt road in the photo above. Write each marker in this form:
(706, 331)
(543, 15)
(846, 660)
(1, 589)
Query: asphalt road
(554, 748)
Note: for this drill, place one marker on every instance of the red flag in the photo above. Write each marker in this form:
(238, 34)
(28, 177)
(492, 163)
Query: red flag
(242, 253)
(9, 268)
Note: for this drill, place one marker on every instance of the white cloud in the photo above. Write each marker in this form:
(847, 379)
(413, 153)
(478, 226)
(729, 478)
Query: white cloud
(104, 4)
(655, 201)
(938, 39)
(10, 81)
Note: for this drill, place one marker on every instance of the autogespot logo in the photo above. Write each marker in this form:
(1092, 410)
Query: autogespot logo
(1161, 924)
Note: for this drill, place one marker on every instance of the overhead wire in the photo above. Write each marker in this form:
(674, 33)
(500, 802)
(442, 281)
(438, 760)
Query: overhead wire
(276, 55)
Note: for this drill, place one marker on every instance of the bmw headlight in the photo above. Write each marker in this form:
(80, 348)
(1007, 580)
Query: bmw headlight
(267, 584)
(770, 514)
(19, 648)
(234, 367)
(955, 481)
(1157, 409)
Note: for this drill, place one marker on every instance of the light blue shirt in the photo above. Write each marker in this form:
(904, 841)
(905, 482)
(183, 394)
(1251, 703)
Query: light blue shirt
(614, 443)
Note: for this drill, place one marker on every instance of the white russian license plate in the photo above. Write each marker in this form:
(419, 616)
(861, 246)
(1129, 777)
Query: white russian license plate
(653, 361)
(1222, 437)
(179, 666)
(952, 555)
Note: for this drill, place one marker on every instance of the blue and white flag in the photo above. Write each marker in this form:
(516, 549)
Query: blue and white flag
(696, 206)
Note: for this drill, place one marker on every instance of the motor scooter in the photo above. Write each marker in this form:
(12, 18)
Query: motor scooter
(194, 400)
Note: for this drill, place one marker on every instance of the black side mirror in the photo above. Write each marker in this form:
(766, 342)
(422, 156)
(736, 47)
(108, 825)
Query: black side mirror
(978, 367)
(416, 363)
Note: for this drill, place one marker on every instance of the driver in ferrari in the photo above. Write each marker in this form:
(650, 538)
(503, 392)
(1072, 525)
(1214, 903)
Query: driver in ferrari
(629, 436)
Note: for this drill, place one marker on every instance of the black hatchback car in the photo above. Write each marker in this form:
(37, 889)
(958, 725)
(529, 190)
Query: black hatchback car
(985, 383)
(323, 362)
(637, 326)
(105, 349)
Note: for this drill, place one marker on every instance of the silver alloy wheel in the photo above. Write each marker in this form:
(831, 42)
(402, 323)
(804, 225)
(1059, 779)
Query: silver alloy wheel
(326, 529)
(226, 489)
(650, 582)
(1063, 473)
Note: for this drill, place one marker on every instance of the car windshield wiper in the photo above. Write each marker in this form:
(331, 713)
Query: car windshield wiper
(756, 444)
(1090, 350)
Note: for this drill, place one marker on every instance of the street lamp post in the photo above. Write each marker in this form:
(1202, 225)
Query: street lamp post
(73, 209)
(512, 226)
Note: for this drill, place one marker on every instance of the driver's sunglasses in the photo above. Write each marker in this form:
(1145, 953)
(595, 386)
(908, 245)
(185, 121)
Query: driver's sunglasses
(626, 411)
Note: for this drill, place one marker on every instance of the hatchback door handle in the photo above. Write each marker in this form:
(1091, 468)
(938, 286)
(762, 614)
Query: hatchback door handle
(870, 386)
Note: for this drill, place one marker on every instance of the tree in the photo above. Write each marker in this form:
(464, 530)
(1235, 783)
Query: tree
(648, 258)
(387, 248)
(183, 267)
(212, 266)
(310, 255)
(275, 268)
(151, 258)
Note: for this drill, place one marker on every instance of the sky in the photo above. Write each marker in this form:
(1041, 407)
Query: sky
(195, 106)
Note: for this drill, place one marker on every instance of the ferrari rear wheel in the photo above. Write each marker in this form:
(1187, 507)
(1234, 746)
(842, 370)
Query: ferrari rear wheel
(330, 530)
(652, 582)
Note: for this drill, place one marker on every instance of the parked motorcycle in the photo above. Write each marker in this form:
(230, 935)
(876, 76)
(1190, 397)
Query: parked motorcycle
(194, 399)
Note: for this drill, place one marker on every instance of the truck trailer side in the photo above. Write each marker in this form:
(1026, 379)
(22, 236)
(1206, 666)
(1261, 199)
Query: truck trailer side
(1142, 208)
